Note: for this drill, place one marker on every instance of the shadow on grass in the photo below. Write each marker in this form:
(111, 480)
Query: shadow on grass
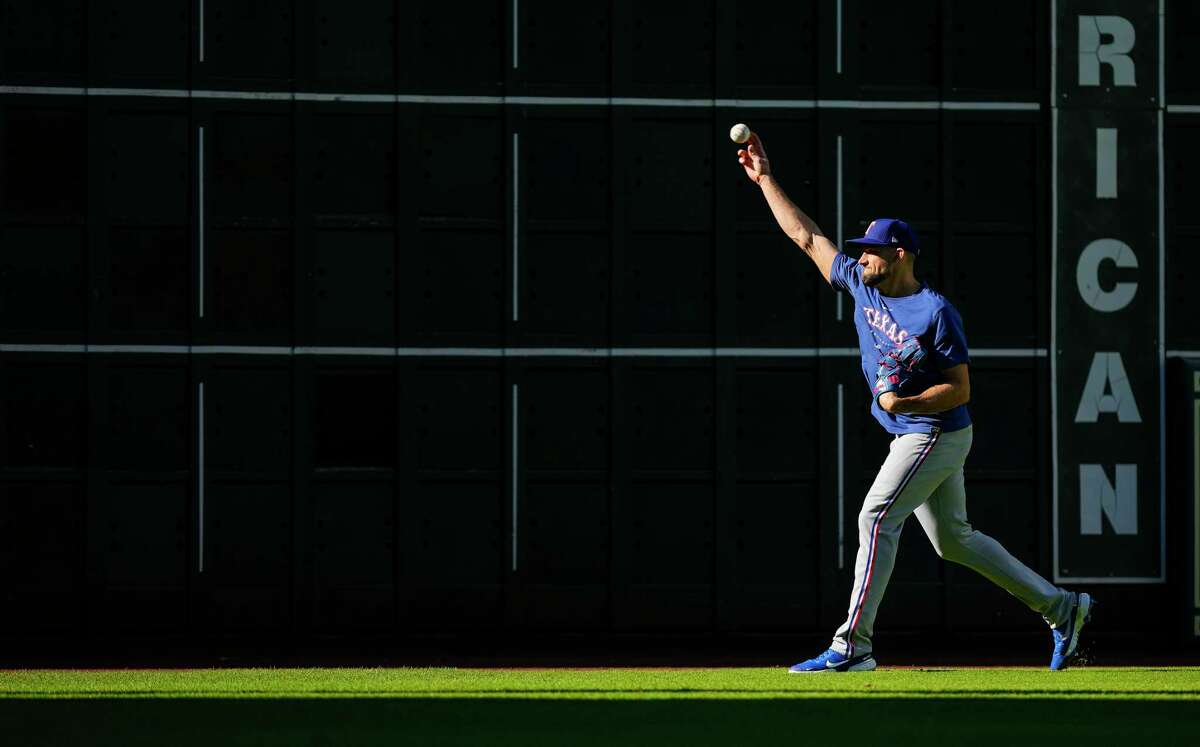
(511, 721)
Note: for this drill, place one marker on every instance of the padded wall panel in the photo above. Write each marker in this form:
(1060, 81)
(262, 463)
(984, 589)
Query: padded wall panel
(672, 534)
(247, 609)
(919, 162)
(930, 265)
(1183, 188)
(673, 608)
(458, 418)
(670, 185)
(44, 161)
(43, 40)
(565, 285)
(353, 532)
(565, 414)
(679, 60)
(150, 277)
(777, 430)
(462, 537)
(43, 280)
(1007, 407)
(246, 42)
(994, 48)
(45, 414)
(352, 165)
(462, 164)
(442, 609)
(451, 56)
(145, 42)
(778, 535)
(452, 284)
(353, 562)
(248, 535)
(777, 292)
(915, 63)
(149, 419)
(672, 418)
(566, 169)
(993, 171)
(998, 314)
(561, 608)
(139, 610)
(354, 418)
(565, 46)
(1183, 48)
(565, 534)
(250, 281)
(768, 59)
(354, 287)
(145, 535)
(41, 556)
(778, 564)
(352, 45)
(251, 166)
(1182, 143)
(1178, 296)
(147, 167)
(979, 605)
(669, 278)
(249, 426)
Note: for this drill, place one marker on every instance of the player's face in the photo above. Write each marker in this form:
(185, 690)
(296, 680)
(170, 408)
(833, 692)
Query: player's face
(876, 263)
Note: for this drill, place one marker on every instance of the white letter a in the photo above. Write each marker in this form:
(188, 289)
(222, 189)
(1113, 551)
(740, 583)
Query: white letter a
(1107, 390)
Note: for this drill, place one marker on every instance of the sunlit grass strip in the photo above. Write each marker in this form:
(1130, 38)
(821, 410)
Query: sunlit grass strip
(1181, 683)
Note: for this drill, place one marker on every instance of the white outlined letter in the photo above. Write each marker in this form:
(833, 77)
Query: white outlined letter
(1087, 274)
(1107, 390)
(1097, 495)
(1093, 52)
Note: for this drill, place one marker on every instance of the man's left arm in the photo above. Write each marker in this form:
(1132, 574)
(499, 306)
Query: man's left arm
(954, 391)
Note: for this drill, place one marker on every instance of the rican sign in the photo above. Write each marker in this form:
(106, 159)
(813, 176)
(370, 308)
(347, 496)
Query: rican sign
(1107, 341)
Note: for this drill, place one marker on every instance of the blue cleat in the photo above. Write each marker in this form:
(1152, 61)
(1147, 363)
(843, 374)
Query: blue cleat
(832, 661)
(1066, 636)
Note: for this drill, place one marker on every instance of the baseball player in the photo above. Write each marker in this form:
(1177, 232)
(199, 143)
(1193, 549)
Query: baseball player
(914, 357)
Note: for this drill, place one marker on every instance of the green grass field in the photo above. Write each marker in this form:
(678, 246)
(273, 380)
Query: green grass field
(600, 706)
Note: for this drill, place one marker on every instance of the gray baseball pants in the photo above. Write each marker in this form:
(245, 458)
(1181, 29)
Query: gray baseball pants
(923, 473)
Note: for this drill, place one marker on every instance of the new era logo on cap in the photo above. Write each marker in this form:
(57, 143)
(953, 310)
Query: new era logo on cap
(889, 232)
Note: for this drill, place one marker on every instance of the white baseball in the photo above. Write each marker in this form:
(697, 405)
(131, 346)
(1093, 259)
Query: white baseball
(739, 133)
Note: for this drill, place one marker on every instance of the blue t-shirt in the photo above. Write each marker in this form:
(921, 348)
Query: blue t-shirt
(883, 322)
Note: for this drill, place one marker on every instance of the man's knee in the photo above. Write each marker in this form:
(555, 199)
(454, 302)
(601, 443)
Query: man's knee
(868, 517)
(876, 517)
(866, 520)
(952, 545)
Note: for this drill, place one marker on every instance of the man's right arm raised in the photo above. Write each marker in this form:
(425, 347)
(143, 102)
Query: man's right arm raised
(799, 227)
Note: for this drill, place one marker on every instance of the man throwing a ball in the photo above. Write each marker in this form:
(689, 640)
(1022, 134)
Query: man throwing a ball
(914, 357)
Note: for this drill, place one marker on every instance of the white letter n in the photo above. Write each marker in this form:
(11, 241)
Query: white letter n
(1097, 495)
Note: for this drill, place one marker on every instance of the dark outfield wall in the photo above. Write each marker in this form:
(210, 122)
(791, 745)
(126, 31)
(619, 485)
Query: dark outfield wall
(266, 357)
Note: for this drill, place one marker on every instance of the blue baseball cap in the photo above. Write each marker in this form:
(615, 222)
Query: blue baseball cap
(888, 232)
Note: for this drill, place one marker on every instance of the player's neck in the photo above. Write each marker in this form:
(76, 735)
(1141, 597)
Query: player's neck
(899, 285)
